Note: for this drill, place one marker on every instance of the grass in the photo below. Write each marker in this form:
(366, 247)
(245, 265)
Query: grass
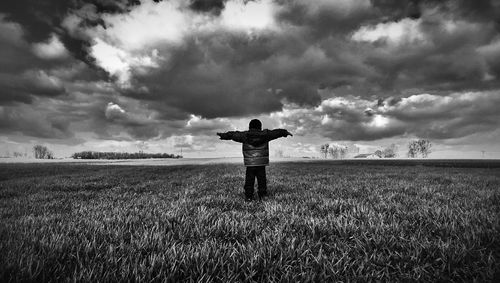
(322, 222)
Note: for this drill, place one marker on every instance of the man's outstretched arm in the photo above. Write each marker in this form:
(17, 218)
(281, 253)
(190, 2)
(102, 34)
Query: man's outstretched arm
(232, 135)
(278, 133)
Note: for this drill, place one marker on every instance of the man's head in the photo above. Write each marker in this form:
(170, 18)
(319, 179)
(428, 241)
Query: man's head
(255, 124)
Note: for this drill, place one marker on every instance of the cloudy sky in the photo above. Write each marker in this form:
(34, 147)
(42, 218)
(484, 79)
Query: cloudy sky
(159, 76)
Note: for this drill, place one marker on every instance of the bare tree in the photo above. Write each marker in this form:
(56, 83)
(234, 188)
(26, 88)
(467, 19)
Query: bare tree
(42, 152)
(334, 152)
(422, 147)
(412, 149)
(390, 151)
(378, 153)
(18, 154)
(324, 149)
(425, 147)
(39, 151)
(338, 151)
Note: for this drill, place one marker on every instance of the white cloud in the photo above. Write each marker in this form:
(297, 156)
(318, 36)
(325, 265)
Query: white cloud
(169, 22)
(114, 111)
(119, 62)
(130, 41)
(342, 102)
(147, 24)
(249, 16)
(379, 121)
(52, 49)
(111, 59)
(424, 106)
(340, 118)
(198, 125)
(406, 31)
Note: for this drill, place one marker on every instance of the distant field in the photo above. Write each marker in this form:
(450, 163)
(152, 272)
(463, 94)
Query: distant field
(324, 221)
(475, 163)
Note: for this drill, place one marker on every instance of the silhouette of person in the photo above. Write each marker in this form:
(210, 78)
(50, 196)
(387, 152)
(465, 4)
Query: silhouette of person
(255, 154)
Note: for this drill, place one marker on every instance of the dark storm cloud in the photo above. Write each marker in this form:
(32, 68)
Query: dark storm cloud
(214, 6)
(224, 86)
(22, 119)
(427, 116)
(444, 55)
(184, 79)
(323, 18)
(199, 126)
(453, 116)
(15, 51)
(447, 57)
(41, 19)
(60, 117)
(23, 74)
(23, 88)
(480, 10)
(38, 18)
(137, 126)
(341, 119)
(227, 74)
(41, 69)
(136, 120)
(231, 74)
(394, 9)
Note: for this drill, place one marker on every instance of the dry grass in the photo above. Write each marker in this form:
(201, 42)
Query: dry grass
(322, 222)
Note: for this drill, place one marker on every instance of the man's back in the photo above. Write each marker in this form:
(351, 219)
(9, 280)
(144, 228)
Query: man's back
(255, 153)
(256, 148)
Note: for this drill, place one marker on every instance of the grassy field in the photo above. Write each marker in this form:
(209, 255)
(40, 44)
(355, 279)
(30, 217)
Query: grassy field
(322, 222)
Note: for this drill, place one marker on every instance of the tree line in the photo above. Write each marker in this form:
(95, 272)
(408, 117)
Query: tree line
(42, 152)
(416, 148)
(121, 155)
(333, 151)
(338, 151)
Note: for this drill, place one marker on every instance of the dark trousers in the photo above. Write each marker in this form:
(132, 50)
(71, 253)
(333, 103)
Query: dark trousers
(260, 173)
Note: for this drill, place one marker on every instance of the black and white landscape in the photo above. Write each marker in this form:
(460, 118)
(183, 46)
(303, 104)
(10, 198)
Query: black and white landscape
(112, 169)
(158, 76)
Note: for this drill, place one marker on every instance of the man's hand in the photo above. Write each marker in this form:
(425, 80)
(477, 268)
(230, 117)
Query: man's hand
(221, 135)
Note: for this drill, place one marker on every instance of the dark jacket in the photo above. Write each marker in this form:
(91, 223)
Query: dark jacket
(255, 144)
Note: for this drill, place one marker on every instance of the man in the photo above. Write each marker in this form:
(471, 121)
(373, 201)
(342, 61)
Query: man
(255, 154)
